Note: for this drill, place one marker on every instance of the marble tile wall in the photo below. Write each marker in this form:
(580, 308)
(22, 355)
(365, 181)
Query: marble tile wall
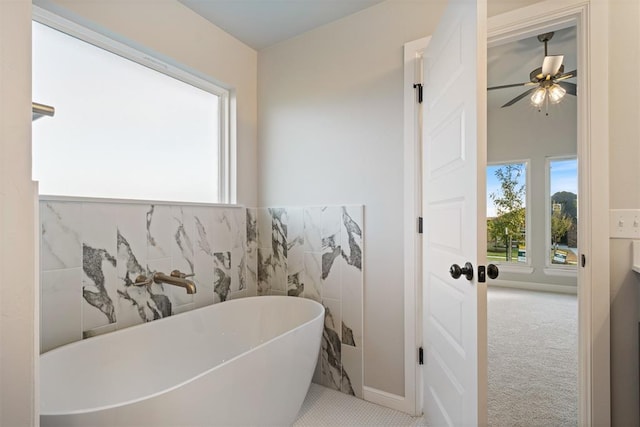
(92, 252)
(316, 252)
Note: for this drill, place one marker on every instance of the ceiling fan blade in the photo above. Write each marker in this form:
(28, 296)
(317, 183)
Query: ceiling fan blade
(519, 97)
(551, 65)
(568, 75)
(511, 85)
(571, 88)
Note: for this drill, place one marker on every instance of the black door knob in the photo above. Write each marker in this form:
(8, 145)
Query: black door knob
(492, 271)
(467, 271)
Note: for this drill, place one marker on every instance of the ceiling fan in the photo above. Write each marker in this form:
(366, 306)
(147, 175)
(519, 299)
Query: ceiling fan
(548, 81)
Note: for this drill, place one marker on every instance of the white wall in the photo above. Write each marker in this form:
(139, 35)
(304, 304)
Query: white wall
(624, 117)
(177, 34)
(330, 130)
(520, 132)
(18, 308)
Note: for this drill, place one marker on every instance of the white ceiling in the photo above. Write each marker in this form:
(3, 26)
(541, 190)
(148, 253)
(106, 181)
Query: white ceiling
(512, 63)
(262, 23)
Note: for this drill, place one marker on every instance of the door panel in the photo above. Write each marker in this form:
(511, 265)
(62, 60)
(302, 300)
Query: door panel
(454, 135)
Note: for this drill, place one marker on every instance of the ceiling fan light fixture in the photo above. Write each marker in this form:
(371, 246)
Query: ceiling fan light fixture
(556, 93)
(538, 97)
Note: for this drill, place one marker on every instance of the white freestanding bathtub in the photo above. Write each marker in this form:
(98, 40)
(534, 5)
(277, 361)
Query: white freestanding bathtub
(243, 362)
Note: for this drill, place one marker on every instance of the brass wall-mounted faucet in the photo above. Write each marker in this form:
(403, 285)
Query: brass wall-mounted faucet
(176, 278)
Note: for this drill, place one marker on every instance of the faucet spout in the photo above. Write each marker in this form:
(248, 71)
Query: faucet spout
(188, 285)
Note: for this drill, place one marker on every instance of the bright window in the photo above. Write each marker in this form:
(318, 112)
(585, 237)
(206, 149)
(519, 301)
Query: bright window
(123, 129)
(563, 212)
(506, 213)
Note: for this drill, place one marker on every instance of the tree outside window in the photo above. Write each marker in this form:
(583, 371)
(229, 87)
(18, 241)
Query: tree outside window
(506, 212)
(563, 180)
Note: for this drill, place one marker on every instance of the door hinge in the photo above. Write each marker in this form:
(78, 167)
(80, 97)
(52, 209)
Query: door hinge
(418, 86)
(419, 225)
(420, 356)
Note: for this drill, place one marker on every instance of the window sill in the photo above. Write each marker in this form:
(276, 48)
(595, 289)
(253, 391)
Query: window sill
(80, 199)
(561, 271)
(518, 269)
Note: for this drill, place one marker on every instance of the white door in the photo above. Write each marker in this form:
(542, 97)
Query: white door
(454, 162)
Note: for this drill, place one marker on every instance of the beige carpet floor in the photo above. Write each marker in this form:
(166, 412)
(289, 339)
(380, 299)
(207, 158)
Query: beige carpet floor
(533, 358)
(532, 369)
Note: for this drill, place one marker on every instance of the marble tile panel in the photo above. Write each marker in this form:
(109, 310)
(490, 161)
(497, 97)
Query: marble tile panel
(183, 230)
(222, 224)
(184, 308)
(252, 225)
(266, 272)
(203, 257)
(99, 265)
(352, 235)
(100, 226)
(134, 304)
(331, 224)
(272, 270)
(333, 315)
(295, 285)
(313, 276)
(238, 227)
(331, 347)
(295, 240)
(182, 249)
(131, 307)
(238, 270)
(60, 308)
(204, 279)
(279, 293)
(132, 227)
(332, 263)
(352, 371)
(279, 221)
(99, 287)
(312, 219)
(352, 303)
(203, 233)
(239, 250)
(251, 266)
(60, 228)
(240, 294)
(99, 331)
(317, 373)
(158, 227)
(221, 275)
(264, 223)
(162, 294)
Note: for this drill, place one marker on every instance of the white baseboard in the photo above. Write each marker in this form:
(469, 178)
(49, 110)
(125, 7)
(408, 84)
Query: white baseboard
(388, 400)
(532, 286)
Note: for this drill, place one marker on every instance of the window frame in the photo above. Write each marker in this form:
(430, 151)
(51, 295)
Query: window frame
(551, 269)
(518, 267)
(191, 77)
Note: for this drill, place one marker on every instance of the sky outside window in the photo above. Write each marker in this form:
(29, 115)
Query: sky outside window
(121, 130)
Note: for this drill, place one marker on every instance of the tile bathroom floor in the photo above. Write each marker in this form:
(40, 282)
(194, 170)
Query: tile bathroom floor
(327, 407)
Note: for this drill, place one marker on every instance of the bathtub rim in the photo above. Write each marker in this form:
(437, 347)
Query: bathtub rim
(194, 378)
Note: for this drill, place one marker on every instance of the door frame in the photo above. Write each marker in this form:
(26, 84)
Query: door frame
(591, 20)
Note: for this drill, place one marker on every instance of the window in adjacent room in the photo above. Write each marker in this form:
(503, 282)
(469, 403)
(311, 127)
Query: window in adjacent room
(562, 214)
(126, 125)
(507, 213)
